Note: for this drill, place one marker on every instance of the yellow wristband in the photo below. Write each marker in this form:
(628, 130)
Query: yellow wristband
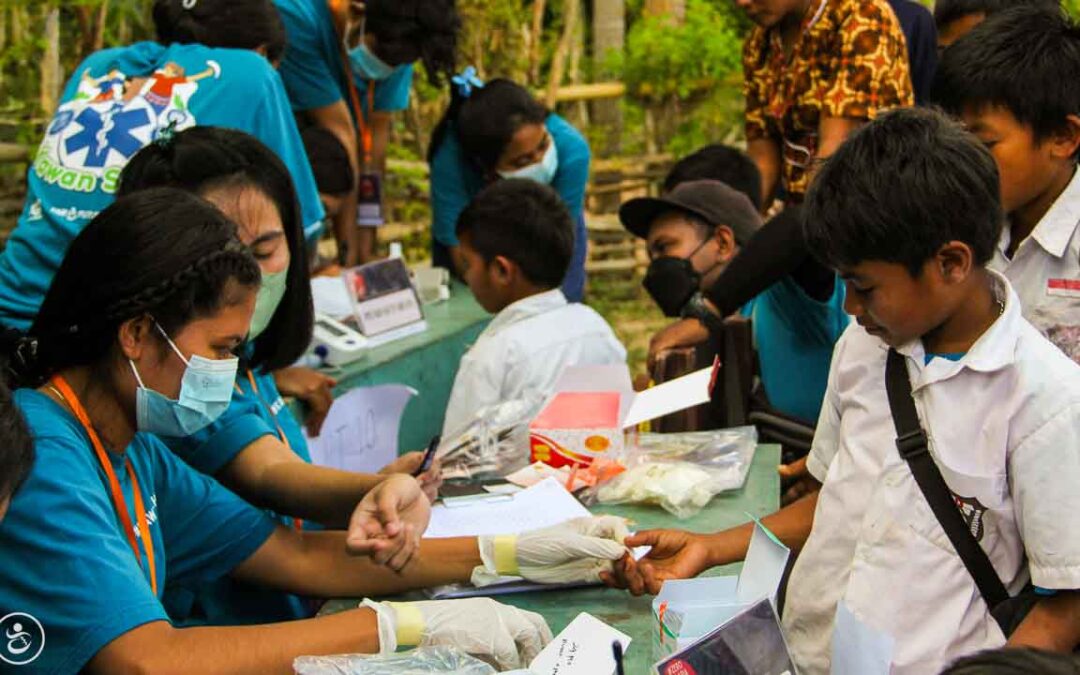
(409, 625)
(506, 555)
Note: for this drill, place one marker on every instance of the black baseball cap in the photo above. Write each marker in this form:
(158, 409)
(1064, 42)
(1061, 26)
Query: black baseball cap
(712, 201)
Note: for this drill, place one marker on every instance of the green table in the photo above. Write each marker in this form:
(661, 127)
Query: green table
(427, 362)
(633, 616)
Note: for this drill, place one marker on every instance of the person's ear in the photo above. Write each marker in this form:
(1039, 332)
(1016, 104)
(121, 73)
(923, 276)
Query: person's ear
(503, 271)
(1066, 141)
(726, 248)
(955, 261)
(135, 336)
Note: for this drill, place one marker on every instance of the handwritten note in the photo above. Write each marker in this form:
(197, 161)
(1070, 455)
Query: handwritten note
(583, 648)
(361, 430)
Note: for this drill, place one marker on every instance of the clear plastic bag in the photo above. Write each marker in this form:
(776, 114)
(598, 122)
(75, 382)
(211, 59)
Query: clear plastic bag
(682, 472)
(422, 661)
(494, 444)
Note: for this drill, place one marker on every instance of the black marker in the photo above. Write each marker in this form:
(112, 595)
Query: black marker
(429, 456)
(616, 651)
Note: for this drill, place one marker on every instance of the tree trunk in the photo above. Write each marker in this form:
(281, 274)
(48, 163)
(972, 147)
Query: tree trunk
(609, 36)
(571, 10)
(536, 43)
(50, 62)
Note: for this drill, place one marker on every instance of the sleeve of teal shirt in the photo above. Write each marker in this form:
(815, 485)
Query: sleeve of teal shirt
(65, 561)
(274, 125)
(450, 192)
(574, 157)
(392, 94)
(311, 73)
(207, 530)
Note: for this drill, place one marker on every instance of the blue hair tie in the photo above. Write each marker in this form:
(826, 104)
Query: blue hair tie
(467, 82)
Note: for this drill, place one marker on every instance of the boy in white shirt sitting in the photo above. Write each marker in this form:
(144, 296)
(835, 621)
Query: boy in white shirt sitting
(908, 212)
(517, 239)
(1013, 82)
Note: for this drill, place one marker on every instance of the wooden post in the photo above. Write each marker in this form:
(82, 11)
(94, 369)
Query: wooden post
(536, 40)
(609, 35)
(50, 62)
(571, 10)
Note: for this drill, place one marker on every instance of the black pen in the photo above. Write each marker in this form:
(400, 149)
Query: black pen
(429, 456)
(616, 651)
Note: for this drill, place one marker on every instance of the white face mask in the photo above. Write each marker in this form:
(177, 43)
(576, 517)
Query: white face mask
(541, 172)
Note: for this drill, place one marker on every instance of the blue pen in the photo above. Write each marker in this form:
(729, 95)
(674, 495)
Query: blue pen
(429, 457)
(616, 651)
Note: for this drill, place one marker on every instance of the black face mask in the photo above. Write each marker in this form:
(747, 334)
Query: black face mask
(672, 282)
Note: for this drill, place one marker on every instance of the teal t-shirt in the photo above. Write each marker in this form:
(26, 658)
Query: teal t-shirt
(117, 102)
(250, 416)
(795, 335)
(312, 70)
(66, 561)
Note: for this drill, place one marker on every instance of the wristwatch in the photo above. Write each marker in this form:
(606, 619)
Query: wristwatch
(695, 308)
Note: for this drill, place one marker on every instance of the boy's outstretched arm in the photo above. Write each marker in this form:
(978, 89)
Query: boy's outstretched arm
(1053, 624)
(677, 554)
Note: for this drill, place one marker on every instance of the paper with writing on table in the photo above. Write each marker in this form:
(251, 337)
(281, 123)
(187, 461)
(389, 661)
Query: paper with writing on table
(361, 430)
(583, 648)
(543, 505)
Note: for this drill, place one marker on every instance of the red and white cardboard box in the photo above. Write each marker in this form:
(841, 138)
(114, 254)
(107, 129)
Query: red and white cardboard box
(593, 407)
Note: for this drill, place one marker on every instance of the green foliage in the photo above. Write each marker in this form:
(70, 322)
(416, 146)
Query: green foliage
(663, 60)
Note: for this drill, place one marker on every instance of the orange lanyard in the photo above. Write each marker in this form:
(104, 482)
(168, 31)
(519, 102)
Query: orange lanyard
(119, 503)
(338, 9)
(297, 523)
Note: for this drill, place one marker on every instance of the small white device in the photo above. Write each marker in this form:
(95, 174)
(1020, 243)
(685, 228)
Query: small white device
(335, 343)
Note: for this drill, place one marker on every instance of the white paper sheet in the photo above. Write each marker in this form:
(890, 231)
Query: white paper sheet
(673, 396)
(583, 648)
(361, 430)
(331, 297)
(545, 504)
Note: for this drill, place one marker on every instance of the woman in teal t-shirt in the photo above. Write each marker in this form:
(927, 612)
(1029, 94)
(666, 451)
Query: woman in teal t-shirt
(108, 517)
(499, 130)
(257, 448)
(338, 47)
(209, 67)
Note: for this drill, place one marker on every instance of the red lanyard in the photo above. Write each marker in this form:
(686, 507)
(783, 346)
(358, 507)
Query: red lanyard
(119, 503)
(338, 9)
(297, 523)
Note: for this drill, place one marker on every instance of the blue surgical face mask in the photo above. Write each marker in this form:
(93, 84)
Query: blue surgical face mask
(205, 392)
(541, 172)
(368, 66)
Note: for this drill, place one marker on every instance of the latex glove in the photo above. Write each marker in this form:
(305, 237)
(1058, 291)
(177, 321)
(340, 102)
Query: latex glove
(575, 551)
(388, 522)
(506, 636)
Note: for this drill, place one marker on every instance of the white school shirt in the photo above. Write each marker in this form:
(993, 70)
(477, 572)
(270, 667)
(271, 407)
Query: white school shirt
(1045, 271)
(1003, 425)
(524, 351)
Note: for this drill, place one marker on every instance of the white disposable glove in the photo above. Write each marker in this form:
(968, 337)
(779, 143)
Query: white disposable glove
(504, 635)
(576, 551)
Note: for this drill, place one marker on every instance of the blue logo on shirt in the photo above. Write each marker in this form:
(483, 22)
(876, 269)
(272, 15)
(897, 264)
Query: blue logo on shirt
(22, 639)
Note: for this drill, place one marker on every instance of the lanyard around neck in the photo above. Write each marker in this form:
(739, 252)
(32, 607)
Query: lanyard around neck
(117, 494)
(366, 137)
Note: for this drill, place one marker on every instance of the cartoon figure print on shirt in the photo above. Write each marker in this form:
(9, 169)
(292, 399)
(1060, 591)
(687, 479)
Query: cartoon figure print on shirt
(111, 118)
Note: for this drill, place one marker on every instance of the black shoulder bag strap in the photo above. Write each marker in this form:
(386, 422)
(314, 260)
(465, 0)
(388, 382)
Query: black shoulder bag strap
(912, 443)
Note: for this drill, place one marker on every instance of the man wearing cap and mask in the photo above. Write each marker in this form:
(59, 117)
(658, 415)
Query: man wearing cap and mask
(693, 234)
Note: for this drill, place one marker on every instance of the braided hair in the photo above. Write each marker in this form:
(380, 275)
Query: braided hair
(162, 253)
(239, 24)
(206, 159)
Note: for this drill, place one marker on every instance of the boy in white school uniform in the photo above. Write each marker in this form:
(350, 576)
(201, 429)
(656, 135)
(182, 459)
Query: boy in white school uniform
(1006, 80)
(908, 212)
(517, 239)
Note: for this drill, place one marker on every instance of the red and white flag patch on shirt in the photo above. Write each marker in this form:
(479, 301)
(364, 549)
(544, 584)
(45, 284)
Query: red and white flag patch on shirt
(1069, 288)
